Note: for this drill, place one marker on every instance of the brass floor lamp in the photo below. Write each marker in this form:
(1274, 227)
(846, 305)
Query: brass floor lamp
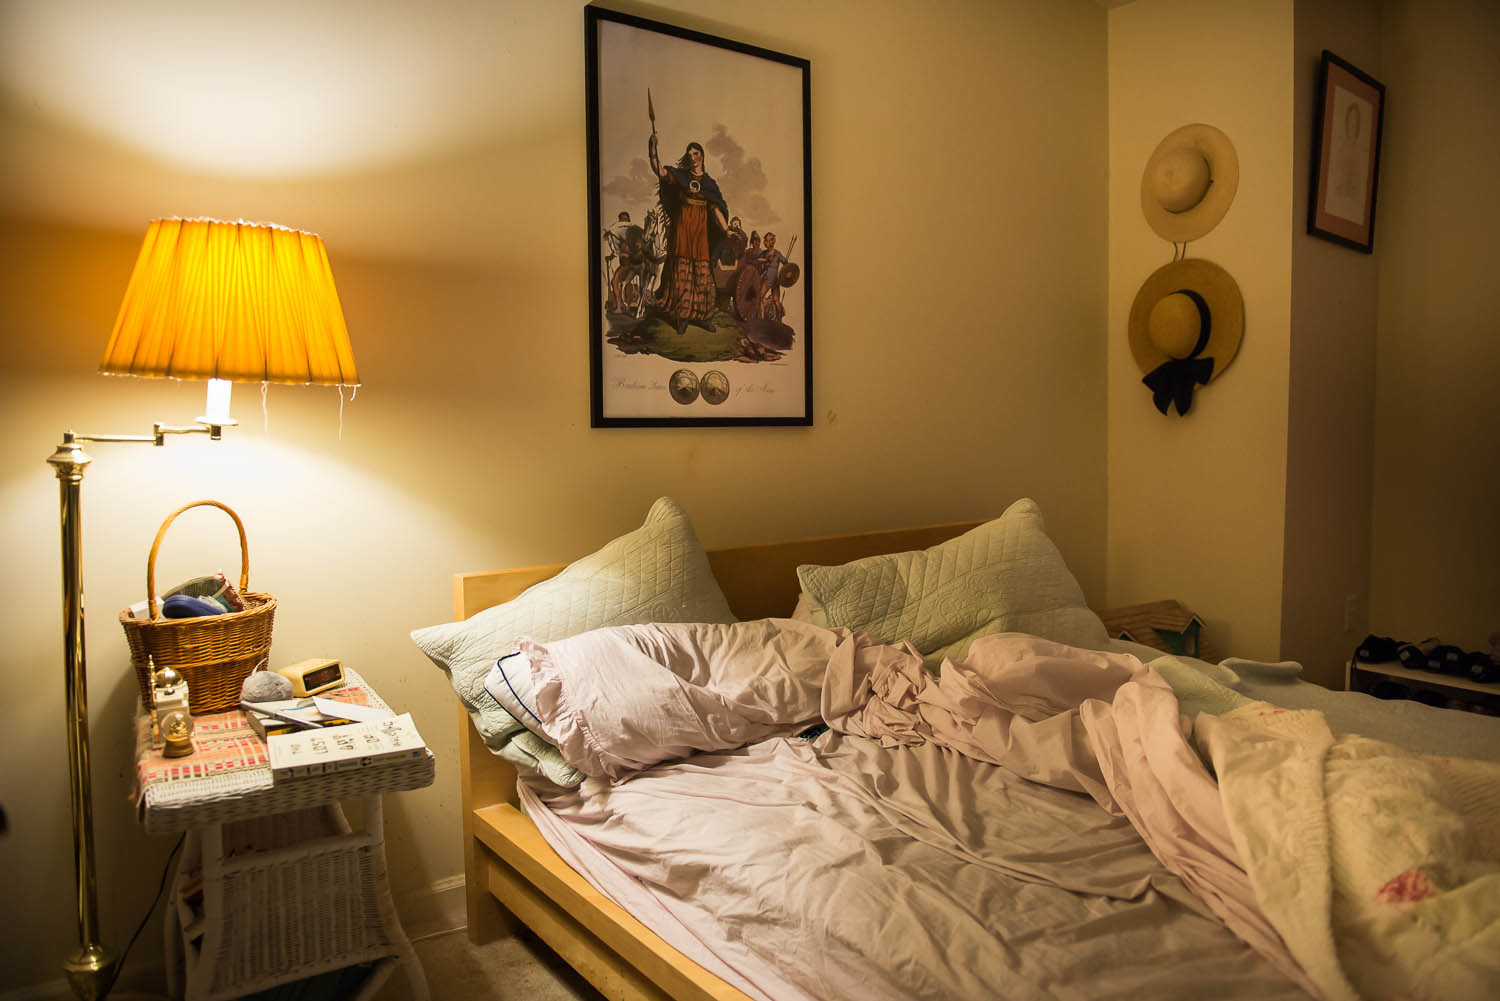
(208, 300)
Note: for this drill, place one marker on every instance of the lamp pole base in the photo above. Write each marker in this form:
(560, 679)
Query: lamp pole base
(91, 971)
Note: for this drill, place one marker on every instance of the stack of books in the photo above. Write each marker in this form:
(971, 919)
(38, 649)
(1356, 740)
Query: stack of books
(310, 736)
(350, 745)
(270, 719)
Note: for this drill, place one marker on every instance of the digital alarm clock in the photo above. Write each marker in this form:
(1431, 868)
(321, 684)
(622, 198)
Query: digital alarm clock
(309, 677)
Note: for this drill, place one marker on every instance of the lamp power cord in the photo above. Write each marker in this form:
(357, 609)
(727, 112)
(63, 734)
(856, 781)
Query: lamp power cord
(160, 892)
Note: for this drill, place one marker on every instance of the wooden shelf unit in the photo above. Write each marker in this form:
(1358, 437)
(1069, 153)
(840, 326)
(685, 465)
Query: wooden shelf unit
(1471, 695)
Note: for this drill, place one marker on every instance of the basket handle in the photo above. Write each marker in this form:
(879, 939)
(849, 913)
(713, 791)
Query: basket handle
(161, 533)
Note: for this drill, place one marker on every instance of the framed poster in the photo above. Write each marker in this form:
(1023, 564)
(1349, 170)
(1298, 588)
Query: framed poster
(700, 228)
(1347, 121)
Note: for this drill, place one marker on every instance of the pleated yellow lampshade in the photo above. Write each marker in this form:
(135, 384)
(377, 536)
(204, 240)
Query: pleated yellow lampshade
(243, 302)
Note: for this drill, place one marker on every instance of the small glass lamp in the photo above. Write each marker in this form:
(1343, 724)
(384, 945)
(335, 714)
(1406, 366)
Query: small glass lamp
(222, 301)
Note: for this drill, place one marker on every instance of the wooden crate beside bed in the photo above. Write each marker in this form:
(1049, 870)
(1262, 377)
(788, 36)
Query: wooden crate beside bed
(513, 874)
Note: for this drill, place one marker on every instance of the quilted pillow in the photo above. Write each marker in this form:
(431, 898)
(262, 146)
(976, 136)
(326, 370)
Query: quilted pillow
(657, 573)
(1003, 576)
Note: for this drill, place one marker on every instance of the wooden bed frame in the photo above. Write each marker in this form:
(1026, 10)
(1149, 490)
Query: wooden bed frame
(512, 874)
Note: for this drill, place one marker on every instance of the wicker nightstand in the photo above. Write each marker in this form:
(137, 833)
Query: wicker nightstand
(273, 885)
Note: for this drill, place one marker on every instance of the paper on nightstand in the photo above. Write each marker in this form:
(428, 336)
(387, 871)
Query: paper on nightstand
(348, 710)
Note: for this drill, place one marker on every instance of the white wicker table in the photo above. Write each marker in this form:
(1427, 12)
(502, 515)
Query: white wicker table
(273, 885)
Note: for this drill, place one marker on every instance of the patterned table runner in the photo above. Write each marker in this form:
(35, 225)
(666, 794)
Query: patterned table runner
(228, 758)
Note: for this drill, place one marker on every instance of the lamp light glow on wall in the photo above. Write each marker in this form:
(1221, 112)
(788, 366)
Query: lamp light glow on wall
(217, 301)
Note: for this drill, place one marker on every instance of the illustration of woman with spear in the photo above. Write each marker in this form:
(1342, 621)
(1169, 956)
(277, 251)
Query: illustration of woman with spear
(698, 221)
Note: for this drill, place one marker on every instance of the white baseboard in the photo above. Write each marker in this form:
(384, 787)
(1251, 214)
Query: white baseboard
(440, 907)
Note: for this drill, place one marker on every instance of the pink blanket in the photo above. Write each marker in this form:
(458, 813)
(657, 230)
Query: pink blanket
(1073, 720)
(1094, 722)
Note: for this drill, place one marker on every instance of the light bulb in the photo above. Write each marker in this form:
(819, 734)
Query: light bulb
(216, 403)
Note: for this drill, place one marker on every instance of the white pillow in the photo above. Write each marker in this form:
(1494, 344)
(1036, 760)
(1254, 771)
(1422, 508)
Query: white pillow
(657, 573)
(621, 699)
(1003, 576)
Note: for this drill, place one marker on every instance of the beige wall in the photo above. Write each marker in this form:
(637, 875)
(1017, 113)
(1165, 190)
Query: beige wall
(1196, 503)
(1436, 539)
(960, 215)
(1330, 435)
(1348, 484)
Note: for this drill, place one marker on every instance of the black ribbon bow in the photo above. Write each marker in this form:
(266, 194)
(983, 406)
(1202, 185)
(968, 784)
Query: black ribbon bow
(1173, 380)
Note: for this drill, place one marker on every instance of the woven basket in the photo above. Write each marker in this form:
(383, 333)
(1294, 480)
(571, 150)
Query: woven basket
(213, 653)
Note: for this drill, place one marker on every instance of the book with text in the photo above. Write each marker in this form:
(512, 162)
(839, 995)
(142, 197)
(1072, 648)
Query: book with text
(268, 724)
(356, 745)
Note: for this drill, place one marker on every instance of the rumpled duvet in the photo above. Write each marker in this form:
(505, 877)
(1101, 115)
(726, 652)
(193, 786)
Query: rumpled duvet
(753, 894)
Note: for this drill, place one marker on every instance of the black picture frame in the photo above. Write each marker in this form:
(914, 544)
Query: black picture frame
(666, 348)
(1348, 127)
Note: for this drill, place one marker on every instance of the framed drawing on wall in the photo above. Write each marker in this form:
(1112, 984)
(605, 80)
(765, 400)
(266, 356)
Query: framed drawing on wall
(1347, 124)
(700, 228)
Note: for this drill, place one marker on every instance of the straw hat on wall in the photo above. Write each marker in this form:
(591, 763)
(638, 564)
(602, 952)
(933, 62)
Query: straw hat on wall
(1185, 329)
(1189, 182)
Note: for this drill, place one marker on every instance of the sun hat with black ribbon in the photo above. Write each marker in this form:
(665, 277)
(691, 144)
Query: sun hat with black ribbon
(1189, 182)
(1185, 329)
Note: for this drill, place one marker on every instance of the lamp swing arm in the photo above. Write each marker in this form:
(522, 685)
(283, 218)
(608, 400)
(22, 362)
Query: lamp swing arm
(158, 435)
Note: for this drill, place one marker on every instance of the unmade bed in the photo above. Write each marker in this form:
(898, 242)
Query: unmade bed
(1063, 840)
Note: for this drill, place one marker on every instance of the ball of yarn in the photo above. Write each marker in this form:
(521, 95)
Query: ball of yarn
(265, 686)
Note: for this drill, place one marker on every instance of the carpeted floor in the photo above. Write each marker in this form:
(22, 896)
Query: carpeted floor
(513, 968)
(518, 967)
